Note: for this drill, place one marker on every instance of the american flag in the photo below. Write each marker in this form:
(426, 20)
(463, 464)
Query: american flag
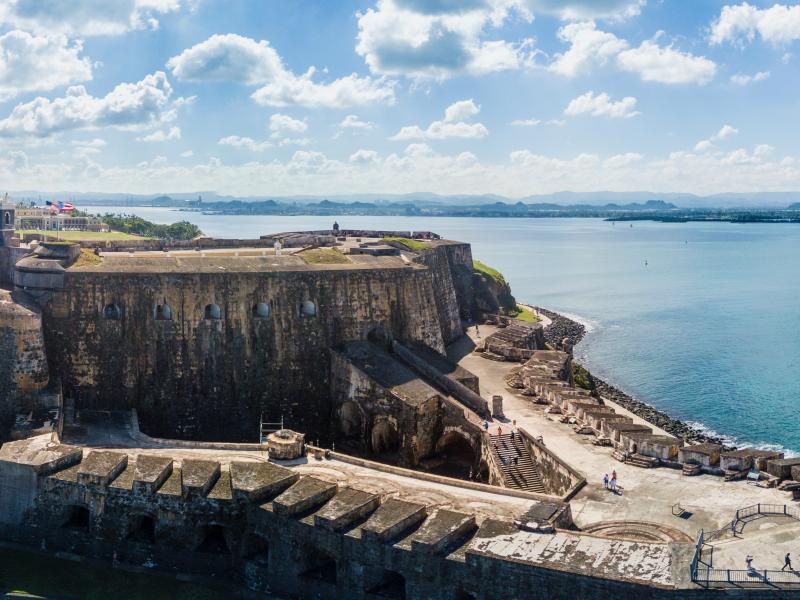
(60, 206)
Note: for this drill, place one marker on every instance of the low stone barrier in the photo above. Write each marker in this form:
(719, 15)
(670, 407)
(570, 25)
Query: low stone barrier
(556, 474)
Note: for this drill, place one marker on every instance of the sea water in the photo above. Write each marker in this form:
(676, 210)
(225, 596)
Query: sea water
(701, 320)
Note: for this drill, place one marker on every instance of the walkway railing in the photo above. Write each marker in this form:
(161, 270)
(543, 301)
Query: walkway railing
(703, 573)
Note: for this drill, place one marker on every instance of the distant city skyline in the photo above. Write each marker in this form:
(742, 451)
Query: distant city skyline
(508, 97)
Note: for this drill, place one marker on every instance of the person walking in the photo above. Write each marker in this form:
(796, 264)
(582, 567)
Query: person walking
(787, 562)
(477, 332)
(499, 430)
(749, 561)
(605, 481)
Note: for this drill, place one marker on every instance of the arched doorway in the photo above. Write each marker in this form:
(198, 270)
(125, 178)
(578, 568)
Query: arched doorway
(458, 457)
(385, 439)
(351, 421)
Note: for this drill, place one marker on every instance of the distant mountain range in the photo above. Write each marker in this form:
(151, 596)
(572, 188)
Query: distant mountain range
(604, 199)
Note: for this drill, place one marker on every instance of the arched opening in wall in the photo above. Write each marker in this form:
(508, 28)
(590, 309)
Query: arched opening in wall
(8, 218)
(456, 457)
(483, 472)
(464, 595)
(163, 312)
(308, 309)
(256, 549)
(78, 517)
(384, 438)
(112, 312)
(319, 565)
(351, 421)
(214, 540)
(380, 337)
(142, 529)
(261, 310)
(391, 584)
(212, 312)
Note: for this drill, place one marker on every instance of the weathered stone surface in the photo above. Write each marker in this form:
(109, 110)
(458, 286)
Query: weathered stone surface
(391, 519)
(345, 508)
(304, 495)
(199, 476)
(150, 473)
(442, 530)
(100, 468)
(257, 481)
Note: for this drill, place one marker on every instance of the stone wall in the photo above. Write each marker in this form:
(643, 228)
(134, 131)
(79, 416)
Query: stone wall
(447, 263)
(558, 478)
(214, 379)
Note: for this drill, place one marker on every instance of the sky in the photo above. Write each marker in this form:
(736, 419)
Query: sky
(319, 97)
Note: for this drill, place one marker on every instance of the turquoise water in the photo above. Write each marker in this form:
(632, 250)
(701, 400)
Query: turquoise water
(708, 330)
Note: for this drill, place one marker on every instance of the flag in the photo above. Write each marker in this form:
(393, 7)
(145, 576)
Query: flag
(51, 206)
(65, 207)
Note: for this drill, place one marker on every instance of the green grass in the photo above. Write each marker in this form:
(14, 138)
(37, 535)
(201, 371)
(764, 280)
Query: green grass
(523, 314)
(39, 575)
(86, 258)
(489, 272)
(77, 236)
(581, 377)
(323, 256)
(414, 245)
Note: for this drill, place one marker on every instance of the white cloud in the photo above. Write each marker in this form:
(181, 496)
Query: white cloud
(87, 147)
(187, 154)
(601, 105)
(744, 79)
(245, 142)
(85, 17)
(174, 133)
(778, 24)
(452, 126)
(589, 47)
(724, 133)
(589, 9)
(295, 141)
(666, 65)
(354, 122)
(421, 38)
(364, 157)
(132, 106)
(31, 63)
(239, 59)
(279, 123)
(525, 122)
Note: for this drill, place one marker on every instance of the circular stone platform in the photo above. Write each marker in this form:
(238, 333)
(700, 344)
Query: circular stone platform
(636, 531)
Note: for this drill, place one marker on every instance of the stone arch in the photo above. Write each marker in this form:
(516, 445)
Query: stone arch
(380, 337)
(459, 456)
(8, 218)
(318, 564)
(261, 310)
(384, 437)
(112, 312)
(351, 419)
(390, 584)
(142, 528)
(256, 548)
(212, 312)
(214, 540)
(308, 309)
(78, 517)
(163, 312)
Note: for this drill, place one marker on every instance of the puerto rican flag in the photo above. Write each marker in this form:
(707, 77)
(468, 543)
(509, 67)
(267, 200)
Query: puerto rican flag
(59, 206)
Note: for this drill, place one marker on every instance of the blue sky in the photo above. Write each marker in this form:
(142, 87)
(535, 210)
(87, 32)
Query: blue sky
(513, 97)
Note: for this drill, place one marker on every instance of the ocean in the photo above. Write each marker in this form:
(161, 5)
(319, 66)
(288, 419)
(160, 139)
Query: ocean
(701, 320)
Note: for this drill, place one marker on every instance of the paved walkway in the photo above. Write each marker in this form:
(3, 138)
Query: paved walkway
(647, 494)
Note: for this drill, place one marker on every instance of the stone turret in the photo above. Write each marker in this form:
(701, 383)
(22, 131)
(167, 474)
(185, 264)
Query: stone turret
(7, 215)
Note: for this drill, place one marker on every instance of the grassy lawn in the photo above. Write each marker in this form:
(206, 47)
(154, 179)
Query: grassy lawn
(489, 272)
(77, 236)
(523, 314)
(30, 573)
(87, 257)
(415, 245)
(323, 256)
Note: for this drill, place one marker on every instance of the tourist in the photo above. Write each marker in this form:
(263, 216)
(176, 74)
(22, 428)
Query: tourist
(605, 481)
(787, 562)
(749, 561)
(477, 332)
(516, 460)
(486, 425)
(499, 430)
(614, 475)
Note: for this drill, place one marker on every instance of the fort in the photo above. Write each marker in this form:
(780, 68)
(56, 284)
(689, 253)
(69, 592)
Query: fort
(354, 414)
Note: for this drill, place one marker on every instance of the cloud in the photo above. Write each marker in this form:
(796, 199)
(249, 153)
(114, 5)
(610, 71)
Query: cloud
(245, 142)
(439, 39)
(132, 106)
(85, 17)
(744, 79)
(525, 122)
(589, 47)
(588, 9)
(88, 147)
(778, 24)
(174, 133)
(187, 154)
(724, 133)
(279, 123)
(601, 105)
(234, 58)
(666, 65)
(355, 123)
(452, 126)
(30, 63)
(364, 157)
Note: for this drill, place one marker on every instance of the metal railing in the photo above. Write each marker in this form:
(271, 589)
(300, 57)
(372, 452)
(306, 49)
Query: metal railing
(703, 573)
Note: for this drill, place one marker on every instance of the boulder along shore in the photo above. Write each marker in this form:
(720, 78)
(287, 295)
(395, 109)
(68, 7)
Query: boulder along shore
(562, 327)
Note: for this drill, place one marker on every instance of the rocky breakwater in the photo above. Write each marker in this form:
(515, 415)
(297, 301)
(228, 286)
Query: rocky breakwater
(562, 328)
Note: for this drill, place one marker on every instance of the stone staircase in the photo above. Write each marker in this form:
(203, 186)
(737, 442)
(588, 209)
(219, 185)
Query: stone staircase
(524, 475)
